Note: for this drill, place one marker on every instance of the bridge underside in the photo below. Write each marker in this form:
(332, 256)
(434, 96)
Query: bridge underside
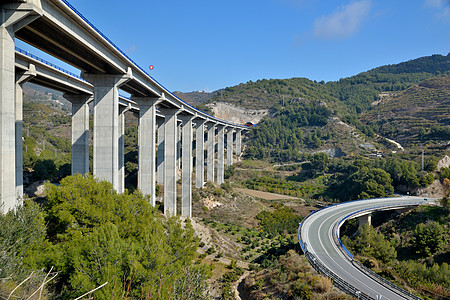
(59, 30)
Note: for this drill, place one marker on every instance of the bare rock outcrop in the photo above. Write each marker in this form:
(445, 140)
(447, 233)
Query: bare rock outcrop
(235, 114)
(444, 162)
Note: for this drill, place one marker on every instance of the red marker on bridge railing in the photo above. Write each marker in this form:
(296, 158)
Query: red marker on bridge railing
(151, 67)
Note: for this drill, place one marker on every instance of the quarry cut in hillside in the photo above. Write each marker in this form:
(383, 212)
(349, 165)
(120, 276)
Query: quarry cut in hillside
(235, 114)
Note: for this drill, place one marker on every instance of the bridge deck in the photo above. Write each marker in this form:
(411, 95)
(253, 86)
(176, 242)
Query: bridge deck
(317, 233)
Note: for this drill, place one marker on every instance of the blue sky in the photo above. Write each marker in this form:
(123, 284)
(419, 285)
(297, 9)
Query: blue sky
(210, 44)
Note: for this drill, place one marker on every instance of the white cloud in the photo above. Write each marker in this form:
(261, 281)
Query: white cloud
(435, 3)
(443, 7)
(343, 22)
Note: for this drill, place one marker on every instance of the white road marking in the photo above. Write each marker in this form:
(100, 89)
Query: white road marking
(348, 208)
(330, 257)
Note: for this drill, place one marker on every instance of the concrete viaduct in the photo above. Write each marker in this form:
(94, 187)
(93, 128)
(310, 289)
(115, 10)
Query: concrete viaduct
(165, 122)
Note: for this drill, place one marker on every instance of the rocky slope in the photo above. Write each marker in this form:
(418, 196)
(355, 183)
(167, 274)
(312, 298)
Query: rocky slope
(240, 115)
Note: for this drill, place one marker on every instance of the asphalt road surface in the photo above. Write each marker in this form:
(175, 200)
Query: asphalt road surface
(317, 234)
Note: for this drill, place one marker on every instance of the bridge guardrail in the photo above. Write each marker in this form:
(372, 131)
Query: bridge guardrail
(319, 267)
(361, 267)
(383, 281)
(66, 2)
(339, 243)
(47, 63)
(300, 241)
(337, 281)
(103, 35)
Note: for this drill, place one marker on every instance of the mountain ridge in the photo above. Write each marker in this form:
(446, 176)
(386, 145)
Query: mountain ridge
(264, 93)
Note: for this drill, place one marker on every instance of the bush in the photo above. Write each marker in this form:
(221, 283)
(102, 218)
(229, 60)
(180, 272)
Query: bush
(444, 173)
(218, 192)
(372, 244)
(45, 169)
(323, 285)
(428, 238)
(22, 232)
(226, 187)
(229, 172)
(210, 250)
(301, 290)
(97, 235)
(283, 219)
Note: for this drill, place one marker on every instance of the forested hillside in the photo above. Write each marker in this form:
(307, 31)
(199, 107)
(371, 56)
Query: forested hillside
(352, 118)
(195, 98)
(321, 143)
(46, 142)
(416, 115)
(356, 92)
(428, 64)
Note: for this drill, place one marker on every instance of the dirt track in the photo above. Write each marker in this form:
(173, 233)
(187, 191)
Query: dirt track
(266, 195)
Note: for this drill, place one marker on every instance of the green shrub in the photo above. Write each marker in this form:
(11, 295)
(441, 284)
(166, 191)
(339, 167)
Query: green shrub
(428, 238)
(229, 171)
(282, 219)
(22, 233)
(97, 235)
(210, 250)
(218, 192)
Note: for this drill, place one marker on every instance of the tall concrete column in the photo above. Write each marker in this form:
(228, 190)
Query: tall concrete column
(160, 154)
(11, 20)
(21, 78)
(146, 147)
(7, 120)
(121, 154)
(106, 125)
(230, 146)
(220, 154)
(210, 148)
(80, 133)
(186, 175)
(200, 154)
(170, 161)
(365, 219)
(179, 147)
(238, 142)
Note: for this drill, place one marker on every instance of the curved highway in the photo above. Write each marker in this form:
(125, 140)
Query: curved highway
(318, 237)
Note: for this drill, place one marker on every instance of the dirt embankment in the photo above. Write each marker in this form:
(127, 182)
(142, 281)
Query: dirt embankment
(266, 195)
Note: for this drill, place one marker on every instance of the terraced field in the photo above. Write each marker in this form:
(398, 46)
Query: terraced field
(415, 114)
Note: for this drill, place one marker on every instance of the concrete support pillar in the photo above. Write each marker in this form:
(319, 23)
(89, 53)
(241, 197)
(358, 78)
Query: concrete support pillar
(179, 129)
(11, 20)
(160, 154)
(186, 176)
(121, 175)
(220, 154)
(21, 78)
(365, 219)
(146, 147)
(106, 125)
(210, 145)
(229, 146)
(170, 160)
(238, 142)
(80, 133)
(200, 154)
(7, 120)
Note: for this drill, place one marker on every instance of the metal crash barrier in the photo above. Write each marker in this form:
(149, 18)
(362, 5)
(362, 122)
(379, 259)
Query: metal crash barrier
(339, 282)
